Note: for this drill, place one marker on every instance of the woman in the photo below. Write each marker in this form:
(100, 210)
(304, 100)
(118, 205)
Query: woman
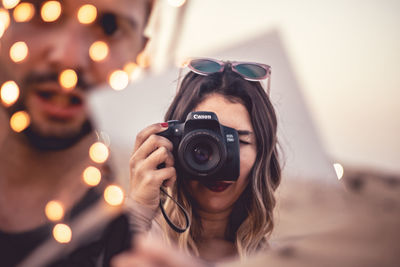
(228, 219)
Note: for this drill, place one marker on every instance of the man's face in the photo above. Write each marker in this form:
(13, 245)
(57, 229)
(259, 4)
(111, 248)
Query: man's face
(64, 44)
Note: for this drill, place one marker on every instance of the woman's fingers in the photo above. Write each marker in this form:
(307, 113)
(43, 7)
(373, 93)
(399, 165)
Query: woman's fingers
(144, 134)
(148, 147)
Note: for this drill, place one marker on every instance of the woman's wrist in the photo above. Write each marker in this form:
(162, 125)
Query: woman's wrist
(140, 215)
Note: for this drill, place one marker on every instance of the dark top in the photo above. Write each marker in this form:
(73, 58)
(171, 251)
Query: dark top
(113, 239)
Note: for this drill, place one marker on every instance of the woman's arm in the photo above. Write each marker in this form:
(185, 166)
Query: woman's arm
(150, 151)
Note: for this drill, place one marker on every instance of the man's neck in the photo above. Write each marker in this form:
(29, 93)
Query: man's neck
(29, 178)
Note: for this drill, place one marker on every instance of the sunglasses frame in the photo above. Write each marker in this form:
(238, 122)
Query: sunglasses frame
(233, 65)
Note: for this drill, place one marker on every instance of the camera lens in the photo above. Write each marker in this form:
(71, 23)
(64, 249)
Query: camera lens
(202, 153)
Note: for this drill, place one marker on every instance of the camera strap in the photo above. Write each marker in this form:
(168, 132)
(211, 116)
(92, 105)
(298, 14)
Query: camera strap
(170, 223)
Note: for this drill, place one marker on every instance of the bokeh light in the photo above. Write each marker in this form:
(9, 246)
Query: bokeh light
(130, 68)
(19, 121)
(114, 195)
(10, 3)
(87, 14)
(176, 3)
(51, 11)
(18, 51)
(143, 60)
(4, 21)
(98, 51)
(339, 170)
(9, 93)
(54, 210)
(62, 233)
(98, 152)
(119, 80)
(68, 79)
(24, 12)
(92, 176)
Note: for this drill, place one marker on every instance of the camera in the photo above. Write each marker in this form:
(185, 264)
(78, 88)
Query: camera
(204, 149)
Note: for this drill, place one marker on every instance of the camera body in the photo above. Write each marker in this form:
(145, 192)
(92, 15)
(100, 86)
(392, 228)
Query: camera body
(204, 149)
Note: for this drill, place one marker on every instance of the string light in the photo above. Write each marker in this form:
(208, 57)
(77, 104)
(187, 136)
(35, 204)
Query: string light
(24, 12)
(113, 195)
(68, 79)
(176, 3)
(91, 176)
(339, 170)
(10, 3)
(19, 121)
(130, 67)
(118, 80)
(143, 60)
(50, 11)
(54, 210)
(18, 51)
(62, 233)
(87, 14)
(98, 51)
(9, 93)
(98, 152)
(4, 21)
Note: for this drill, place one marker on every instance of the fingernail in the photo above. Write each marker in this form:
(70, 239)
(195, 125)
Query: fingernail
(164, 124)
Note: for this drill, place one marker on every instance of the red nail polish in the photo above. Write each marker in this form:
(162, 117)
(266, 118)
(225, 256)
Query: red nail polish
(164, 124)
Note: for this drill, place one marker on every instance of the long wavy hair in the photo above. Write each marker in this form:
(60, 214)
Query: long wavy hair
(251, 220)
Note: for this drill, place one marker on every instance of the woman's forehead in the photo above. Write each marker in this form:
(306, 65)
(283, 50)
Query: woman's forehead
(231, 114)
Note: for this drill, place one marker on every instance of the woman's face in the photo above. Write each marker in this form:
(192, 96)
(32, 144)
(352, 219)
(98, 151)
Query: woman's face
(218, 197)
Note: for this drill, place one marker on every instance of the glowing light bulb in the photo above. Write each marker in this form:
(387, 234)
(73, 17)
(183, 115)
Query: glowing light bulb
(62, 233)
(176, 3)
(4, 21)
(54, 210)
(119, 80)
(9, 93)
(91, 176)
(98, 51)
(24, 12)
(10, 3)
(98, 152)
(51, 11)
(68, 79)
(18, 51)
(19, 121)
(339, 170)
(87, 14)
(113, 195)
(143, 60)
(130, 67)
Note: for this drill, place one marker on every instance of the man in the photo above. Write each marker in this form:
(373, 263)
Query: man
(45, 161)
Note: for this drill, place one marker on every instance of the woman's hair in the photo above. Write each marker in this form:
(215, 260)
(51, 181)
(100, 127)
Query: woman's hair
(252, 216)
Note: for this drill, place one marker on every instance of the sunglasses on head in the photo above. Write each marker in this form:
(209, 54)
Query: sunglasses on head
(249, 71)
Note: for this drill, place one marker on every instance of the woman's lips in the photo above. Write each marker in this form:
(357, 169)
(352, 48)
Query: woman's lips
(217, 186)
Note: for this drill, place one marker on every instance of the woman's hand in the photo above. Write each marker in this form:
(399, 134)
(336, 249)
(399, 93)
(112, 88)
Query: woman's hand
(150, 151)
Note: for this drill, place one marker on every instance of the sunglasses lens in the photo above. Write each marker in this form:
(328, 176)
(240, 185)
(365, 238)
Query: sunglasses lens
(205, 66)
(252, 71)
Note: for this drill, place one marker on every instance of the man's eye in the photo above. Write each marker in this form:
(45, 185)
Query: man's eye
(109, 24)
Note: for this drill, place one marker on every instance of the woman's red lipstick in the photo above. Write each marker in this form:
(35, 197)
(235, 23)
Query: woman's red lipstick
(217, 186)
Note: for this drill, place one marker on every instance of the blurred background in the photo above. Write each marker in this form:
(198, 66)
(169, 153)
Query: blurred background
(334, 76)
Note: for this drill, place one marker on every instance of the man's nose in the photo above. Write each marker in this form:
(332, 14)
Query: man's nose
(69, 47)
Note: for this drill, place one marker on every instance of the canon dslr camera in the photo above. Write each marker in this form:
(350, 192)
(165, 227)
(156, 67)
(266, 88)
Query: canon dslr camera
(204, 148)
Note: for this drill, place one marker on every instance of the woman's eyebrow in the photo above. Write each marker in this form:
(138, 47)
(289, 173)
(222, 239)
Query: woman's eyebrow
(244, 132)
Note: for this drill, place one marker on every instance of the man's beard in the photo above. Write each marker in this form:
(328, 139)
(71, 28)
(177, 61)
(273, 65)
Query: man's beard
(54, 143)
(34, 136)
